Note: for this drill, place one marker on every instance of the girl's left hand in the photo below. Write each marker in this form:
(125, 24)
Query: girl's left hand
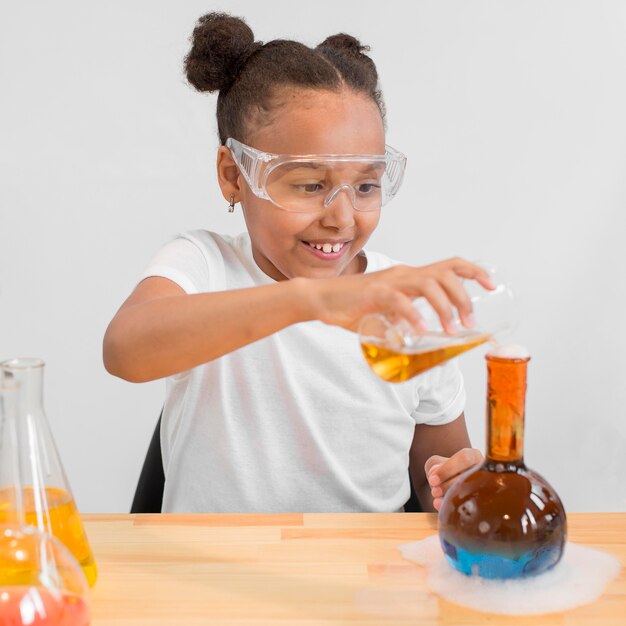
(442, 472)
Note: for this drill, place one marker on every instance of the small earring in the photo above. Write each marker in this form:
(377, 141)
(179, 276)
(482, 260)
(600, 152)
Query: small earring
(231, 205)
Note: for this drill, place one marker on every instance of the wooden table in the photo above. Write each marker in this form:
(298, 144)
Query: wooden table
(301, 570)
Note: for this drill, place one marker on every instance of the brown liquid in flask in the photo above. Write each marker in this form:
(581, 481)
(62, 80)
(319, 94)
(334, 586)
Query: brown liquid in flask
(502, 520)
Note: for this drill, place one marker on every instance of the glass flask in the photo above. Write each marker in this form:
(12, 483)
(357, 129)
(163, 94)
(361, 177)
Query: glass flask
(41, 583)
(47, 499)
(501, 519)
(396, 351)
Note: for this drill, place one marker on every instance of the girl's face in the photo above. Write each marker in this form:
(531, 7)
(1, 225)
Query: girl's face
(313, 122)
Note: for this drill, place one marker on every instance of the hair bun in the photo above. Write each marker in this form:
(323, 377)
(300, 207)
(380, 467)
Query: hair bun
(345, 43)
(221, 44)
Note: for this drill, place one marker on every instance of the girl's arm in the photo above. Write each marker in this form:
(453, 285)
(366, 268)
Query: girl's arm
(453, 456)
(160, 330)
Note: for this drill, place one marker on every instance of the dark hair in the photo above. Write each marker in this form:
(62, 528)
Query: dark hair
(225, 57)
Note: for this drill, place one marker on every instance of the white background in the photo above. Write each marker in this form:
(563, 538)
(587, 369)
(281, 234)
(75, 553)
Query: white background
(513, 117)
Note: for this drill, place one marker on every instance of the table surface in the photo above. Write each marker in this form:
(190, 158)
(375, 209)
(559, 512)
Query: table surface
(300, 569)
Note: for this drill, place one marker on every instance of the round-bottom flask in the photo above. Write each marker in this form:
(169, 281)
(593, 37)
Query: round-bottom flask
(502, 520)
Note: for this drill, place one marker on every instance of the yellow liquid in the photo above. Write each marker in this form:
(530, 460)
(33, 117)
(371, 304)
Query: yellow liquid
(65, 524)
(397, 366)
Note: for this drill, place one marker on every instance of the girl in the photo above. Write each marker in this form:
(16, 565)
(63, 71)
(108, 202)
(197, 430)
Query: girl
(270, 405)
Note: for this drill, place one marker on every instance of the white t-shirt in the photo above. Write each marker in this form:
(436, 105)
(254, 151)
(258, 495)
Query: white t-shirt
(293, 422)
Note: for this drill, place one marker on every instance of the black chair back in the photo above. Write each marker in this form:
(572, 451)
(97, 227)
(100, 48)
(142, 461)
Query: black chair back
(149, 492)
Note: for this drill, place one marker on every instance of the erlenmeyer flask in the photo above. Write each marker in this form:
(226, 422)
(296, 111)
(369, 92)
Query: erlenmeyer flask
(41, 583)
(396, 352)
(47, 499)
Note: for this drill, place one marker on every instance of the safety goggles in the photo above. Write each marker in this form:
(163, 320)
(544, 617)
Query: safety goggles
(311, 182)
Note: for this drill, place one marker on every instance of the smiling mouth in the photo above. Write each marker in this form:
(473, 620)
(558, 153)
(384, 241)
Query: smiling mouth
(328, 247)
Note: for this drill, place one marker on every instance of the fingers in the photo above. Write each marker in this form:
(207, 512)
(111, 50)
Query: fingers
(457, 464)
(441, 476)
(432, 461)
(401, 307)
(465, 269)
(459, 268)
(459, 298)
(443, 488)
(440, 284)
(437, 297)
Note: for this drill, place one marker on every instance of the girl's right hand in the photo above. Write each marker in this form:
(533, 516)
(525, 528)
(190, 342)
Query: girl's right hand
(344, 300)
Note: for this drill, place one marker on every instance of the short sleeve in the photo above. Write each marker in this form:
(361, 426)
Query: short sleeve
(182, 262)
(440, 395)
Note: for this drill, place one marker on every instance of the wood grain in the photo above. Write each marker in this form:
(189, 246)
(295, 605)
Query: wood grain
(299, 569)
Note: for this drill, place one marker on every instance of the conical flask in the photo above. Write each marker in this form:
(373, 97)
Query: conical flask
(396, 351)
(47, 499)
(41, 583)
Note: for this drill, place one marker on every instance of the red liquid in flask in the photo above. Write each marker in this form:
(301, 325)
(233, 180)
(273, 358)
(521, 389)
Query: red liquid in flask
(37, 606)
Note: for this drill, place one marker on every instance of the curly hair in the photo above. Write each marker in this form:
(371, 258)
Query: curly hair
(249, 75)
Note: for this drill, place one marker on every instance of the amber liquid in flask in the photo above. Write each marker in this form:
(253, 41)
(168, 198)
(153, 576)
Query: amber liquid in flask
(62, 520)
(500, 519)
(395, 365)
(47, 499)
(396, 351)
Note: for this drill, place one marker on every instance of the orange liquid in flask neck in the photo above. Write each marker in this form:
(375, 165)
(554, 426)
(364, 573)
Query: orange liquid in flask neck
(65, 523)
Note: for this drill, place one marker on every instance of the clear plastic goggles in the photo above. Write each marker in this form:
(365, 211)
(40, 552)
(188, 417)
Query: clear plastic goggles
(311, 182)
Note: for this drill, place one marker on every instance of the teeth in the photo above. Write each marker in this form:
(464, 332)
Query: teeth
(327, 247)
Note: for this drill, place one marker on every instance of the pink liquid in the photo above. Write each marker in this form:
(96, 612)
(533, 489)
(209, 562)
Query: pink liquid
(36, 606)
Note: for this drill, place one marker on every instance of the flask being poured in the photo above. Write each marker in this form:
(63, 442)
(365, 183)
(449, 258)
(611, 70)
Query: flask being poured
(396, 351)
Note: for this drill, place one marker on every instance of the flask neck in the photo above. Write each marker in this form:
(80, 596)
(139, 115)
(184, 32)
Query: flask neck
(11, 479)
(28, 374)
(506, 396)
